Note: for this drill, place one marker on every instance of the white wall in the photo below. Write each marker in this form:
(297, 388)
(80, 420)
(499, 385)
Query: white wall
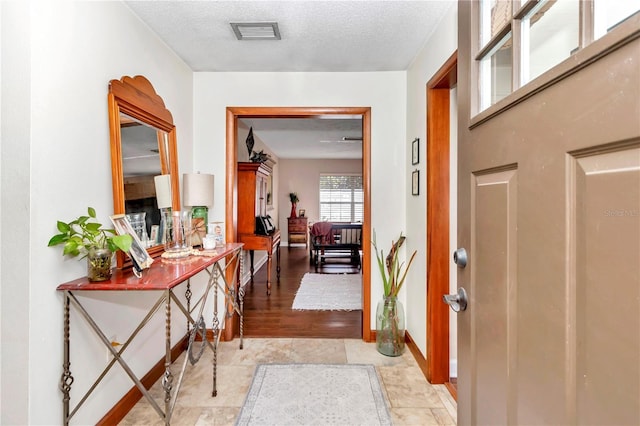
(436, 51)
(303, 177)
(384, 92)
(14, 165)
(56, 156)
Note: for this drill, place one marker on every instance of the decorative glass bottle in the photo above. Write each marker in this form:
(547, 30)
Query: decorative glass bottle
(390, 326)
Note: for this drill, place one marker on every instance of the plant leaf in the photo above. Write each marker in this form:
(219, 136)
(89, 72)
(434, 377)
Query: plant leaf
(63, 227)
(92, 212)
(93, 227)
(57, 239)
(122, 242)
(71, 248)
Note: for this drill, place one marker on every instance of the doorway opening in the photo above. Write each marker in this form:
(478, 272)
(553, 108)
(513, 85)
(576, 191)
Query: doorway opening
(439, 189)
(237, 113)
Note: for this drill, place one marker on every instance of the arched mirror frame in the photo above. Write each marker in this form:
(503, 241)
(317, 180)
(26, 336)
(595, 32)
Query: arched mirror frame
(136, 97)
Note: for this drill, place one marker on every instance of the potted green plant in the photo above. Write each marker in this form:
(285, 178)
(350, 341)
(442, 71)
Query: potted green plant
(293, 197)
(82, 237)
(390, 327)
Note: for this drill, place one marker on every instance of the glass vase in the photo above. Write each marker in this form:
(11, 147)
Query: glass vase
(390, 326)
(138, 222)
(177, 232)
(99, 264)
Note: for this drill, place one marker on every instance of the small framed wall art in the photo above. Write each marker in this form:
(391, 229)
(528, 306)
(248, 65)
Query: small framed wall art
(415, 151)
(415, 182)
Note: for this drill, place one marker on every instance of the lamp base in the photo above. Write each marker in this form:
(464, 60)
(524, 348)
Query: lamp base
(199, 222)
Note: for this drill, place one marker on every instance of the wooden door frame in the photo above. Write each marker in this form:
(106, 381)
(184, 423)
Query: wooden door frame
(438, 212)
(234, 113)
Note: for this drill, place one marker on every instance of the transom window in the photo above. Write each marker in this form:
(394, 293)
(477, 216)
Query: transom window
(341, 198)
(520, 40)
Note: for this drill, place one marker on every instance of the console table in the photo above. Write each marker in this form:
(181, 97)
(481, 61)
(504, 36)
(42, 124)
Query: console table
(163, 276)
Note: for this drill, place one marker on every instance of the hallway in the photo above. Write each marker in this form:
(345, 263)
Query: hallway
(272, 316)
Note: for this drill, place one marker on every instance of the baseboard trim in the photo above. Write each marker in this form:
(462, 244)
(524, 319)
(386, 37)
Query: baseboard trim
(453, 390)
(417, 355)
(131, 398)
(411, 344)
(127, 402)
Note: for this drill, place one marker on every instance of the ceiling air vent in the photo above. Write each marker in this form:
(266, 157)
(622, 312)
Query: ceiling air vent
(256, 30)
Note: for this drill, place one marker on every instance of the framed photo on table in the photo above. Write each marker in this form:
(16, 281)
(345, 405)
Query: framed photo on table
(138, 254)
(415, 151)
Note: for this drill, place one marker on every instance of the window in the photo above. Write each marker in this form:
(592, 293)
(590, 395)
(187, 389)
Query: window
(495, 70)
(519, 41)
(341, 198)
(549, 36)
(608, 14)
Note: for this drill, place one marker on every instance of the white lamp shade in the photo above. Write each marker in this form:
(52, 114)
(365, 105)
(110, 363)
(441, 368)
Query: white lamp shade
(163, 190)
(197, 189)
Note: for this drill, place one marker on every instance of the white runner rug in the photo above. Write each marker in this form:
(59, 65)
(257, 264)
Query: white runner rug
(314, 394)
(329, 292)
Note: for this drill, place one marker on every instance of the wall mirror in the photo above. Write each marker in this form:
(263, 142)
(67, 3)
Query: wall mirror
(143, 145)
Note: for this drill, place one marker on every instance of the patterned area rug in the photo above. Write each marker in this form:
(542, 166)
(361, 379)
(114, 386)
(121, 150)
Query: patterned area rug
(329, 292)
(314, 394)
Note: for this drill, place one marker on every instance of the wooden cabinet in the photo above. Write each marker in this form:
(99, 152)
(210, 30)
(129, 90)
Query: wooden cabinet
(252, 202)
(298, 232)
(252, 195)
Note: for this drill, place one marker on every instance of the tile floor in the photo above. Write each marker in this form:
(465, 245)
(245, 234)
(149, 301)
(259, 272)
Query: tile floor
(411, 399)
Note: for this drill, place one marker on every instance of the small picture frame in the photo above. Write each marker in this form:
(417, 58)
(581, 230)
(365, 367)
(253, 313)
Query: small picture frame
(138, 254)
(302, 212)
(415, 182)
(216, 229)
(415, 151)
(155, 234)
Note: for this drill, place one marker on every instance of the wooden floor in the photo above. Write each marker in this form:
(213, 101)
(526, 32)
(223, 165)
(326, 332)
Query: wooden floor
(272, 316)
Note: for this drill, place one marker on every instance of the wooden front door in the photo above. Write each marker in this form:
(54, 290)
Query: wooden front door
(549, 214)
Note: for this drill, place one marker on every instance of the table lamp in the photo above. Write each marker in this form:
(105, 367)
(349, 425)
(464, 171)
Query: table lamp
(198, 194)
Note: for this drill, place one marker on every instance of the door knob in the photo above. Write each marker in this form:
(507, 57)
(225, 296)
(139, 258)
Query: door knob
(460, 257)
(458, 301)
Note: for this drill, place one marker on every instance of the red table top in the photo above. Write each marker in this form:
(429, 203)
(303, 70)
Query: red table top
(162, 275)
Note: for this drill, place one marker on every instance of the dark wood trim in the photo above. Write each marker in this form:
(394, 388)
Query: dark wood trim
(438, 135)
(366, 226)
(453, 390)
(233, 113)
(129, 400)
(447, 76)
(231, 208)
(417, 355)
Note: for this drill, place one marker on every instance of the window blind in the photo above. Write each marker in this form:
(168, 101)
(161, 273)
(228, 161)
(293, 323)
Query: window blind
(341, 198)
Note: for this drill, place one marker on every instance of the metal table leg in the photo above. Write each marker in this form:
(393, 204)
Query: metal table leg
(167, 379)
(67, 379)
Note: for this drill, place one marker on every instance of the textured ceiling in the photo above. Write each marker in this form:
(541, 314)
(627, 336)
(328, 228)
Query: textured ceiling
(316, 35)
(320, 36)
